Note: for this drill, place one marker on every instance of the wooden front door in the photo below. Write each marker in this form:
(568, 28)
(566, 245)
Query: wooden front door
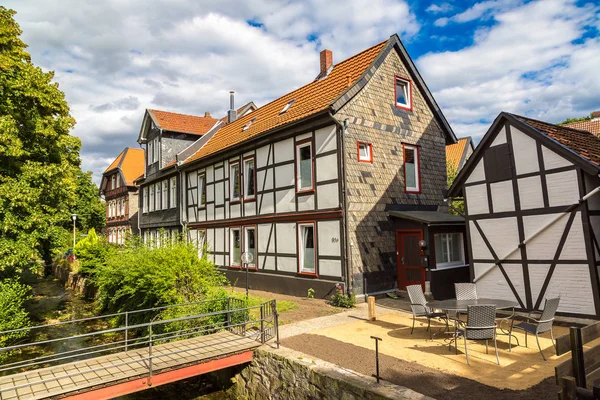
(410, 270)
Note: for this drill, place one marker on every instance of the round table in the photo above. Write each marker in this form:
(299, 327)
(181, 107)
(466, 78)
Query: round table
(461, 305)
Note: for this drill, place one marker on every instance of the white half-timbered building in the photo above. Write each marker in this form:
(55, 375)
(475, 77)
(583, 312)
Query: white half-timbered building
(533, 214)
(308, 182)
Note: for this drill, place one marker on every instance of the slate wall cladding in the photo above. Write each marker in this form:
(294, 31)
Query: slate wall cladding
(374, 188)
(172, 144)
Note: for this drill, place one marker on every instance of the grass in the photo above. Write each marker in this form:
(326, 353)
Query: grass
(253, 300)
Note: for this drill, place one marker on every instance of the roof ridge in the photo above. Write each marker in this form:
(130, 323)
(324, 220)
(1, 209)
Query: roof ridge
(186, 115)
(557, 125)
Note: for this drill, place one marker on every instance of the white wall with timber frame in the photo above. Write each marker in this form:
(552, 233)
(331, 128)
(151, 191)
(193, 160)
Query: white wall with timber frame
(519, 182)
(278, 206)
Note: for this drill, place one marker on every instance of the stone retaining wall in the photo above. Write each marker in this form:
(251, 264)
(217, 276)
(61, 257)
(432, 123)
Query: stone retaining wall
(74, 281)
(290, 375)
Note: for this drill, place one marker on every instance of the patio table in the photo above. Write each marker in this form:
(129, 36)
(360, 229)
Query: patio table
(461, 306)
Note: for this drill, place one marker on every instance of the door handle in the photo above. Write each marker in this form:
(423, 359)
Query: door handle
(402, 260)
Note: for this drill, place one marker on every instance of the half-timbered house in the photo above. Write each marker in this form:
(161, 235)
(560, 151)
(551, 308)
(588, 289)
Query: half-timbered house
(533, 214)
(309, 183)
(120, 193)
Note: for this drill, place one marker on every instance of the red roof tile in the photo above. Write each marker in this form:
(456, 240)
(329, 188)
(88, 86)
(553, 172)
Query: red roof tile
(175, 122)
(130, 162)
(590, 126)
(454, 152)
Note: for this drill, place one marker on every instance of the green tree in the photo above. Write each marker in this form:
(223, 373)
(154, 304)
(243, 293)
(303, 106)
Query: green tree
(39, 159)
(569, 120)
(89, 208)
(458, 205)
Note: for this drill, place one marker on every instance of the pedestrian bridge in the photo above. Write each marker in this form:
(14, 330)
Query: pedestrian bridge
(128, 352)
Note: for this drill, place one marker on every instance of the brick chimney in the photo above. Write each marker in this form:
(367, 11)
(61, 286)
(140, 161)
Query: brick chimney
(326, 62)
(596, 116)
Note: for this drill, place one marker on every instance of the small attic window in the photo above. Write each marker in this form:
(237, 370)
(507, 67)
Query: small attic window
(245, 128)
(403, 91)
(287, 106)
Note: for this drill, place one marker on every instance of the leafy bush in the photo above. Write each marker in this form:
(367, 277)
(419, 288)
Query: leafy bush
(311, 293)
(340, 299)
(91, 252)
(140, 276)
(12, 313)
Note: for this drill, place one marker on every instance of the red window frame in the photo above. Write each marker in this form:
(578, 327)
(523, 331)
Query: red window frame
(312, 153)
(418, 159)
(203, 206)
(243, 176)
(370, 160)
(314, 225)
(239, 227)
(410, 93)
(231, 201)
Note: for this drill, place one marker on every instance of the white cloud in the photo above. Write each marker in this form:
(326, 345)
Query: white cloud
(440, 8)
(115, 58)
(535, 66)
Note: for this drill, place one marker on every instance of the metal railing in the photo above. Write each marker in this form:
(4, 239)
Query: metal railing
(230, 314)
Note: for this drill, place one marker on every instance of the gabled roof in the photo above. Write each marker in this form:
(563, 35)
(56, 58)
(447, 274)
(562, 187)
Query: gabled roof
(456, 154)
(174, 122)
(592, 126)
(130, 162)
(581, 147)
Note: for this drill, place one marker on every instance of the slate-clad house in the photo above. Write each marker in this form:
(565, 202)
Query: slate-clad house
(309, 182)
(532, 234)
(164, 134)
(121, 194)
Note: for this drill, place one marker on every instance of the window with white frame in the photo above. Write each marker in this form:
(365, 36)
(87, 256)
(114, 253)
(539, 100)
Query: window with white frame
(235, 246)
(249, 179)
(201, 190)
(114, 182)
(149, 152)
(365, 152)
(304, 167)
(412, 173)
(165, 194)
(118, 180)
(123, 207)
(306, 240)
(157, 196)
(250, 244)
(146, 237)
(234, 182)
(151, 203)
(403, 93)
(145, 200)
(173, 186)
(449, 249)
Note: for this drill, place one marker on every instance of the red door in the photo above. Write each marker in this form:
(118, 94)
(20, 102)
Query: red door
(410, 270)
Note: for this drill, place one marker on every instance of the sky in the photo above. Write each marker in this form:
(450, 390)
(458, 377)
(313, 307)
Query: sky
(115, 58)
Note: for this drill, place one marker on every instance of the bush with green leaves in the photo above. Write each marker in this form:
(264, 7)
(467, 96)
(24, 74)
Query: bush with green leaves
(340, 299)
(12, 313)
(92, 252)
(140, 276)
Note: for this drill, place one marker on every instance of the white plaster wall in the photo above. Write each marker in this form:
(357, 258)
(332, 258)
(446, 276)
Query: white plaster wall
(284, 175)
(525, 152)
(327, 196)
(530, 192)
(563, 188)
(262, 155)
(328, 234)
(325, 139)
(306, 203)
(235, 210)
(219, 213)
(478, 173)
(287, 264)
(219, 173)
(500, 138)
(553, 160)
(267, 263)
(503, 235)
(330, 267)
(284, 150)
(303, 136)
(503, 198)
(220, 239)
(285, 200)
(571, 282)
(494, 285)
(210, 212)
(545, 244)
(264, 245)
(219, 193)
(480, 250)
(268, 203)
(327, 168)
(264, 177)
(286, 238)
(477, 200)
(209, 174)
(210, 191)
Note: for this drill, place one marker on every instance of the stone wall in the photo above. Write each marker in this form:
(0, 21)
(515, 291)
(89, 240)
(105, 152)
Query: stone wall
(290, 375)
(74, 281)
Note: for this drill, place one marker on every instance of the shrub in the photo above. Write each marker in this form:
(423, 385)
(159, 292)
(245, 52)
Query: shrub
(340, 299)
(91, 253)
(12, 313)
(311, 293)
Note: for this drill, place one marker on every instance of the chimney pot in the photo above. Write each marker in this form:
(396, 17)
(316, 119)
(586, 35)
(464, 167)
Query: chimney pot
(232, 113)
(326, 61)
(207, 115)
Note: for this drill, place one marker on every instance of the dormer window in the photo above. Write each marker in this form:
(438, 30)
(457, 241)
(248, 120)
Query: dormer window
(245, 128)
(287, 106)
(403, 91)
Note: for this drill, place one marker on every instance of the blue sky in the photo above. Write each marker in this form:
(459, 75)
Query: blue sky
(115, 58)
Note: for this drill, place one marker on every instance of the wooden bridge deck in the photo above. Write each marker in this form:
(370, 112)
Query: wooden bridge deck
(92, 374)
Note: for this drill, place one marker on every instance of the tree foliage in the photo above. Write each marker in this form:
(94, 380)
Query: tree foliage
(90, 209)
(569, 120)
(12, 315)
(458, 205)
(39, 159)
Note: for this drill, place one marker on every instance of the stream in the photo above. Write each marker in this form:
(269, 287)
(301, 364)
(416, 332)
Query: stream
(52, 303)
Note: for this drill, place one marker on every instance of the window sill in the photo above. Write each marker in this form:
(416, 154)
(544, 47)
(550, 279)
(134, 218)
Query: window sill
(404, 107)
(235, 201)
(308, 273)
(249, 199)
(412, 191)
(365, 161)
(305, 191)
(444, 267)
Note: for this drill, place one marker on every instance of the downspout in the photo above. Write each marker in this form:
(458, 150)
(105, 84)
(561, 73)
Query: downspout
(540, 230)
(348, 255)
(180, 189)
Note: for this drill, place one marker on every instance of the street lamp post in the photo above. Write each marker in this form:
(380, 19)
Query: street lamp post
(247, 258)
(74, 217)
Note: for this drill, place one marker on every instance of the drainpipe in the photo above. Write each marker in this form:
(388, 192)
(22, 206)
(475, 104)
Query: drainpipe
(540, 230)
(345, 202)
(180, 189)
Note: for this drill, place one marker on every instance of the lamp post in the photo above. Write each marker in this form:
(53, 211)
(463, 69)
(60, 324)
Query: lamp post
(247, 258)
(74, 217)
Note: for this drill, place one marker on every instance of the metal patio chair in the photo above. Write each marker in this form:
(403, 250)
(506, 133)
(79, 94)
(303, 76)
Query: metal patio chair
(537, 326)
(418, 305)
(465, 291)
(480, 325)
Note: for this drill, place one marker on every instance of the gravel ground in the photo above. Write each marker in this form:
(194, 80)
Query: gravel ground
(428, 381)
